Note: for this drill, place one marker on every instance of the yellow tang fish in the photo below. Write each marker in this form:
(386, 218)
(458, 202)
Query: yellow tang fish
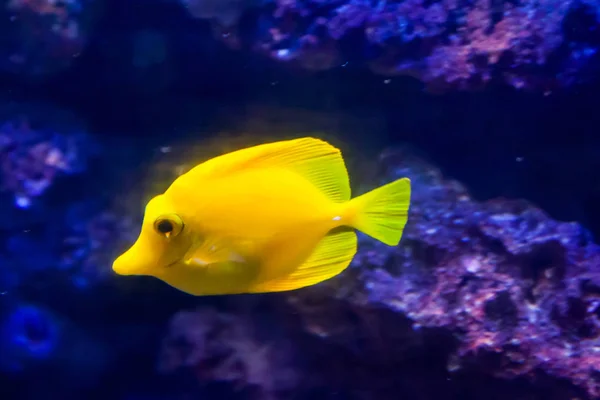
(268, 218)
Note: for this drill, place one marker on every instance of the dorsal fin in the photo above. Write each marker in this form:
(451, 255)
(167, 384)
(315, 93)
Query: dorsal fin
(314, 159)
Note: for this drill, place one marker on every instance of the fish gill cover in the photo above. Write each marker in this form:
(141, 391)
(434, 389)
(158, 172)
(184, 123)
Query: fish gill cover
(493, 291)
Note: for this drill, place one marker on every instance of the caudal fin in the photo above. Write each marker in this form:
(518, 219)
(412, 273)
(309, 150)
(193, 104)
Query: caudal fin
(382, 213)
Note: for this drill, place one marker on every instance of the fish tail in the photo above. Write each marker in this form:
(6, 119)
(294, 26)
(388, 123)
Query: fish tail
(382, 213)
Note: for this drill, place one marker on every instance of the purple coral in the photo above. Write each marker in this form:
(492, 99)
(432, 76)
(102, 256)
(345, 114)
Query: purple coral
(461, 44)
(519, 291)
(229, 348)
(33, 157)
(43, 37)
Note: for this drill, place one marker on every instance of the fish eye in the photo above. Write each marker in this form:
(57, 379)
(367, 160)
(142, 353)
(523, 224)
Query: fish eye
(168, 225)
(164, 226)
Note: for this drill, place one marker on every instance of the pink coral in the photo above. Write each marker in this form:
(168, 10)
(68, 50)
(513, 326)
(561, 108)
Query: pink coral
(29, 163)
(460, 44)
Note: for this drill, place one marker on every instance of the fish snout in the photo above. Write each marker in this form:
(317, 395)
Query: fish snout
(121, 266)
(132, 262)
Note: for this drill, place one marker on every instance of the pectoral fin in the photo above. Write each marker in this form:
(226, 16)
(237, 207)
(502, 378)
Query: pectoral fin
(213, 250)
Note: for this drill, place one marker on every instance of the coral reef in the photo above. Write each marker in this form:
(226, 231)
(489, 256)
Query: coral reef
(478, 291)
(45, 153)
(33, 152)
(446, 43)
(78, 244)
(43, 37)
(230, 348)
(226, 13)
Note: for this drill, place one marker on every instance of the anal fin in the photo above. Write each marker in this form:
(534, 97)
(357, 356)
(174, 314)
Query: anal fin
(331, 256)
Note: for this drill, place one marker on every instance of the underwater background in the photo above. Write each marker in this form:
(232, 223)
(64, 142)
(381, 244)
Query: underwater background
(492, 108)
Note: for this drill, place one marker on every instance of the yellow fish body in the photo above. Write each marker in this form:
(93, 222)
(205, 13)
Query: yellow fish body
(268, 218)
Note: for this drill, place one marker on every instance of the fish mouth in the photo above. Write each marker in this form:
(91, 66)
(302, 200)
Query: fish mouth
(169, 265)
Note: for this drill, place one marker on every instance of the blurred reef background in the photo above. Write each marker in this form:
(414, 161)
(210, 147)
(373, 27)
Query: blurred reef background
(492, 108)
